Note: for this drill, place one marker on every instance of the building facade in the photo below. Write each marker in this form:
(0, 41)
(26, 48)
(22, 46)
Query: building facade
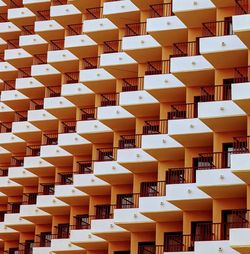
(124, 126)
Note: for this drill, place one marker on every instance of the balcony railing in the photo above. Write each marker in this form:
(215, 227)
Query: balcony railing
(13, 207)
(9, 85)
(132, 84)
(109, 99)
(135, 29)
(43, 15)
(127, 201)
(71, 77)
(24, 72)
(183, 111)
(81, 222)
(181, 175)
(241, 144)
(158, 67)
(61, 232)
(20, 116)
(90, 63)
(88, 113)
(4, 171)
(56, 45)
(33, 150)
(16, 161)
(1, 57)
(36, 104)
(161, 10)
(241, 7)
(53, 91)
(112, 46)
(29, 198)
(215, 160)
(106, 154)
(94, 13)
(74, 29)
(3, 17)
(28, 30)
(217, 28)
(130, 141)
(84, 167)
(216, 93)
(103, 212)
(155, 127)
(153, 189)
(40, 59)
(43, 240)
(242, 74)
(58, 2)
(50, 139)
(68, 126)
(13, 44)
(15, 4)
(151, 249)
(65, 178)
(5, 127)
(47, 189)
(186, 49)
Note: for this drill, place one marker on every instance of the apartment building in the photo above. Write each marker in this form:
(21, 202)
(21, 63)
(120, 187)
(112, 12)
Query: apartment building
(124, 126)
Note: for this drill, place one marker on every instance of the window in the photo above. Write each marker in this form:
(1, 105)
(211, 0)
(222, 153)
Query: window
(125, 201)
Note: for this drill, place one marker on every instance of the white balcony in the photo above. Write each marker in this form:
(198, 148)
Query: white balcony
(8, 30)
(60, 107)
(108, 230)
(38, 166)
(167, 30)
(30, 87)
(216, 183)
(6, 113)
(65, 14)
(135, 46)
(37, 4)
(78, 94)
(34, 43)
(18, 57)
(131, 219)
(160, 210)
(64, 246)
(188, 197)
(192, 70)
(116, 117)
(216, 49)
(5, 155)
(12, 142)
(240, 166)
(85, 239)
(21, 16)
(136, 160)
(112, 172)
(15, 99)
(222, 115)
(52, 205)
(239, 240)
(94, 131)
(22, 176)
(49, 29)
(46, 73)
(8, 234)
(193, 14)
(100, 29)
(241, 28)
(162, 147)
(56, 155)
(63, 60)
(139, 103)
(240, 96)
(165, 87)
(99, 80)
(144, 5)
(42, 119)
(9, 187)
(225, 3)
(190, 132)
(119, 12)
(71, 195)
(41, 250)
(91, 184)
(81, 45)
(14, 221)
(119, 64)
(7, 71)
(34, 214)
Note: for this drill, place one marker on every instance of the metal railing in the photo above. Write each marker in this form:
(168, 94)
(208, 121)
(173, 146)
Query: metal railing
(4, 171)
(50, 139)
(20, 116)
(112, 46)
(242, 74)
(28, 30)
(42, 240)
(3, 17)
(158, 67)
(65, 178)
(16, 161)
(132, 84)
(71, 77)
(36, 104)
(29, 198)
(33, 150)
(81, 221)
(53, 91)
(94, 13)
(90, 63)
(68, 126)
(13, 44)
(181, 175)
(241, 144)
(161, 10)
(190, 48)
(47, 189)
(152, 189)
(1, 57)
(216, 93)
(241, 7)
(74, 29)
(5, 127)
(56, 45)
(130, 141)
(88, 113)
(105, 211)
(179, 243)
(183, 111)
(39, 59)
(217, 28)
(43, 15)
(24, 72)
(126, 201)
(13, 207)
(135, 29)
(106, 154)
(58, 2)
(151, 249)
(9, 85)
(15, 4)
(109, 99)
(84, 167)
(155, 127)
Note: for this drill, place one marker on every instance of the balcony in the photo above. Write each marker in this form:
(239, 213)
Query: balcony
(84, 167)
(12, 143)
(18, 57)
(7, 71)
(119, 12)
(14, 221)
(111, 46)
(22, 176)
(7, 233)
(64, 245)
(144, 5)
(21, 16)
(192, 14)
